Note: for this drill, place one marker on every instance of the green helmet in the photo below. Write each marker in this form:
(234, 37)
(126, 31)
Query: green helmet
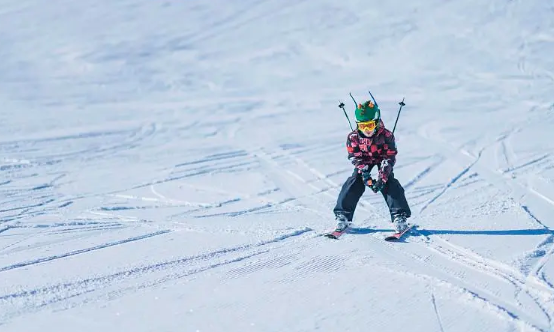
(367, 111)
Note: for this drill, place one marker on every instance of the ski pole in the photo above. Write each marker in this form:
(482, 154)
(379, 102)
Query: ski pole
(399, 110)
(341, 105)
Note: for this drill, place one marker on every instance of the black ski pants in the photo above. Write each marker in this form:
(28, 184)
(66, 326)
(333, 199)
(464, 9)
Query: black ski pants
(354, 187)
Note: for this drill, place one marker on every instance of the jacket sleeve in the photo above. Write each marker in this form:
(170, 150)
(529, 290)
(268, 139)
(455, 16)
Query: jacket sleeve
(389, 156)
(353, 149)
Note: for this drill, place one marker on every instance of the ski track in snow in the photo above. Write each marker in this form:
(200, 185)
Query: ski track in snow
(541, 295)
(475, 298)
(77, 252)
(178, 268)
(533, 284)
(540, 292)
(434, 301)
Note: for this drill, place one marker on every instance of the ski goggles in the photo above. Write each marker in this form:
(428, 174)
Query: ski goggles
(367, 125)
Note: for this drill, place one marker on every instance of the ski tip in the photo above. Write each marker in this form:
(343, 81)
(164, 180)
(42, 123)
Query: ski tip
(332, 235)
(396, 237)
(335, 234)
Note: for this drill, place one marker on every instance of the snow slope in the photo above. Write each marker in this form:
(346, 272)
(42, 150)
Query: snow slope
(169, 166)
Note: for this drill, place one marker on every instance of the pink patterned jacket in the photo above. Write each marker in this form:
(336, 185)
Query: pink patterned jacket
(379, 150)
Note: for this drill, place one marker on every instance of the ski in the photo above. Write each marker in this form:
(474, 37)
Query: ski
(398, 236)
(336, 234)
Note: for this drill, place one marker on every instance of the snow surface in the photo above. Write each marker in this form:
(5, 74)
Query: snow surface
(170, 165)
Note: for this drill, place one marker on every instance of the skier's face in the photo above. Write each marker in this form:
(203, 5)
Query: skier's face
(368, 133)
(367, 128)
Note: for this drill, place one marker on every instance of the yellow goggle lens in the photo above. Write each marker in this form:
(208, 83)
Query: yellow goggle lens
(367, 126)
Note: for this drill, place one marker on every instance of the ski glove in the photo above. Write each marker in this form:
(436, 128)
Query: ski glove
(385, 170)
(358, 161)
(366, 176)
(377, 185)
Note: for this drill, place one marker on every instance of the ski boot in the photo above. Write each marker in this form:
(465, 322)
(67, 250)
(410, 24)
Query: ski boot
(342, 222)
(342, 225)
(399, 223)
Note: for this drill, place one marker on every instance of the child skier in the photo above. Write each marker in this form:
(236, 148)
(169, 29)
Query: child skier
(370, 145)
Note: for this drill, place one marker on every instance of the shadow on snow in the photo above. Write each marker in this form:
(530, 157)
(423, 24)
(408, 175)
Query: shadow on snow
(542, 231)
